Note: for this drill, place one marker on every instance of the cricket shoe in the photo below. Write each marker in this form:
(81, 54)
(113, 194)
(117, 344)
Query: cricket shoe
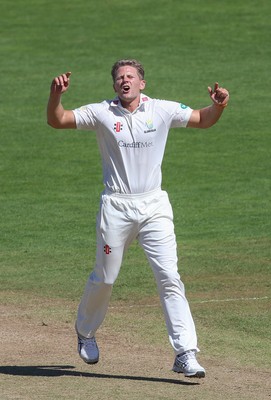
(187, 364)
(88, 350)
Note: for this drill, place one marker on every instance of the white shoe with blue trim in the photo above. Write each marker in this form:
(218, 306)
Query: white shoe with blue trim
(88, 350)
(187, 364)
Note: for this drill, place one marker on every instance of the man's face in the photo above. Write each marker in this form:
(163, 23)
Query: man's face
(128, 84)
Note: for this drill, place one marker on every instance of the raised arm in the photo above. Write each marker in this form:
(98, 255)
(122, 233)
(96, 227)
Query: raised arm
(57, 116)
(208, 116)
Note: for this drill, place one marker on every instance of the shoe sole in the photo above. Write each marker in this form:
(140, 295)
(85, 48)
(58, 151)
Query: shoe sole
(90, 362)
(198, 374)
(93, 361)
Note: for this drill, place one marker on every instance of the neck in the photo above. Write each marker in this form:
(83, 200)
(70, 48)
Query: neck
(130, 105)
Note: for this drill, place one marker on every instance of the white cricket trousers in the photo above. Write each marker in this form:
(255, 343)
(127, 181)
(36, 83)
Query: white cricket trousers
(147, 217)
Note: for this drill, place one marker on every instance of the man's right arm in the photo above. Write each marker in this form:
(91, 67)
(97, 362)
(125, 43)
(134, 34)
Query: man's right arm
(57, 116)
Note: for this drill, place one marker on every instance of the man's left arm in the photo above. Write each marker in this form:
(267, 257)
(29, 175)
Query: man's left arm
(208, 116)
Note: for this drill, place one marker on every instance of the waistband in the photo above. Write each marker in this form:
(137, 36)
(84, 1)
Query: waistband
(132, 195)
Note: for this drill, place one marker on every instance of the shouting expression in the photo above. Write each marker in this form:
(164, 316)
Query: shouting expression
(128, 85)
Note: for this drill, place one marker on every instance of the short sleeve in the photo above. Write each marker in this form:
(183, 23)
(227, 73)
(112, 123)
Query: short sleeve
(181, 115)
(86, 117)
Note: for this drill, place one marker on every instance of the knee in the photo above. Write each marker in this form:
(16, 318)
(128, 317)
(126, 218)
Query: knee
(171, 282)
(98, 278)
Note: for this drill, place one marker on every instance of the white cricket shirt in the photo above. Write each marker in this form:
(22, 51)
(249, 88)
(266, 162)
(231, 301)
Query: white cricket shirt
(132, 145)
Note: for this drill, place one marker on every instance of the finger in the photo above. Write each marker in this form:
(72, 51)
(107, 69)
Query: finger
(225, 92)
(210, 90)
(61, 80)
(216, 86)
(66, 79)
(222, 93)
(66, 76)
(56, 81)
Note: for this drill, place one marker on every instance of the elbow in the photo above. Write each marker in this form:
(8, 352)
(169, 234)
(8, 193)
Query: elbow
(50, 123)
(53, 124)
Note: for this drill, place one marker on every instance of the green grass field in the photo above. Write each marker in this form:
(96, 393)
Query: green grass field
(219, 180)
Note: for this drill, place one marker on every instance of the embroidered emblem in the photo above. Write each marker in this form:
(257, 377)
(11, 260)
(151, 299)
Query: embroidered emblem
(149, 124)
(118, 127)
(107, 249)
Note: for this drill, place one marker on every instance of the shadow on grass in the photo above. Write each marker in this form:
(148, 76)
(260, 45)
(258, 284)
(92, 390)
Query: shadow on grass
(69, 370)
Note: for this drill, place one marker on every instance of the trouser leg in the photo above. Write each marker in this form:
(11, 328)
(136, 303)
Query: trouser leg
(113, 237)
(157, 238)
(93, 306)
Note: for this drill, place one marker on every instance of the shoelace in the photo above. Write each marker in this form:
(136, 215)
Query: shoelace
(188, 357)
(90, 343)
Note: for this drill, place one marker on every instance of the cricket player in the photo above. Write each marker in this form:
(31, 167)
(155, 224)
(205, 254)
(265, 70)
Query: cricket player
(132, 131)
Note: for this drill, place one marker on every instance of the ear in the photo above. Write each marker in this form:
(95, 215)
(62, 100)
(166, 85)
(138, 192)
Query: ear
(114, 88)
(142, 85)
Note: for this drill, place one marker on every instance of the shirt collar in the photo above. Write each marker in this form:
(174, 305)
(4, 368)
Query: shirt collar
(143, 99)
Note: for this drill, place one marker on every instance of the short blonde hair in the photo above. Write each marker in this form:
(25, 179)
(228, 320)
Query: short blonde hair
(132, 63)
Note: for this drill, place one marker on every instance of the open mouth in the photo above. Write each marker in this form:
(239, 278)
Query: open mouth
(125, 88)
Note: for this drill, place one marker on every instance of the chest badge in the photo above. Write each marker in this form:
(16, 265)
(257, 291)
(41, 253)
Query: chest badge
(149, 125)
(118, 127)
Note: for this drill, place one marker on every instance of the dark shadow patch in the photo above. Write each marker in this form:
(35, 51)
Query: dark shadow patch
(69, 370)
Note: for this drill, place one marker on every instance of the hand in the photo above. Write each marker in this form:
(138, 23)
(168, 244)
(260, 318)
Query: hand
(219, 95)
(61, 83)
